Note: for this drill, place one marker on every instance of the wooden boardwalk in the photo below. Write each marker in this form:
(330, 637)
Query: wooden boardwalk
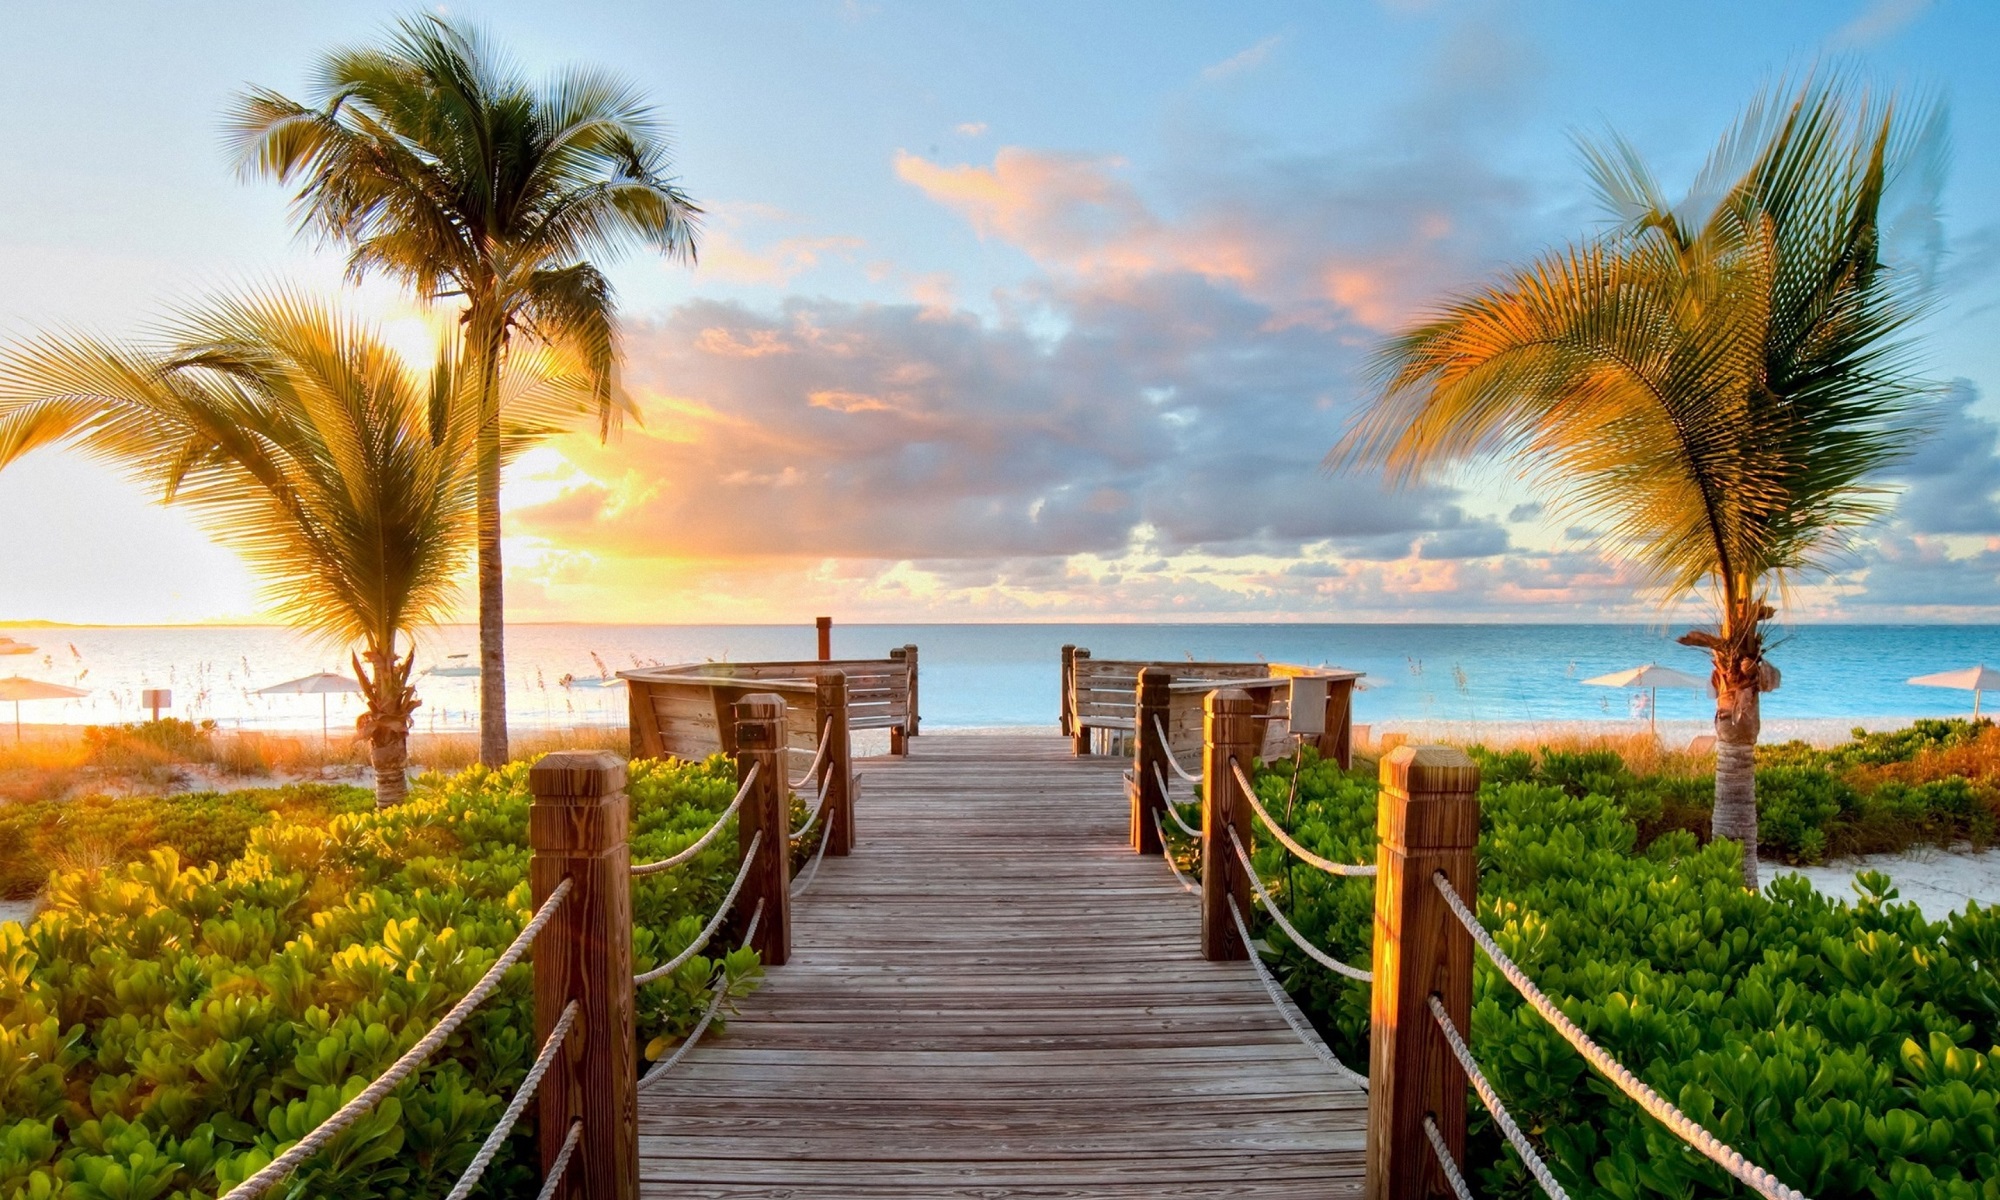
(994, 997)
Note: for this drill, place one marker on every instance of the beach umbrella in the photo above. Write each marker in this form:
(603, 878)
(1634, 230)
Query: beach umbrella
(1966, 679)
(1652, 677)
(17, 689)
(323, 684)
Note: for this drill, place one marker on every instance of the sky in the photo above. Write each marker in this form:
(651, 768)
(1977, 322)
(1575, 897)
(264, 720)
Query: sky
(1014, 311)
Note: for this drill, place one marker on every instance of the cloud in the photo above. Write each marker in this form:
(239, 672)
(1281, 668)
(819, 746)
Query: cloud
(1243, 60)
(1880, 20)
(1953, 476)
(971, 129)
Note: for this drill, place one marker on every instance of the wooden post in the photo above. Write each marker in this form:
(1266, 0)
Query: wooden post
(1149, 759)
(1337, 743)
(916, 709)
(1079, 732)
(836, 775)
(1428, 821)
(760, 742)
(641, 721)
(825, 627)
(1062, 702)
(577, 826)
(1229, 731)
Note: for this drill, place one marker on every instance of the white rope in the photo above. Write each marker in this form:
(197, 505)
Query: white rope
(714, 922)
(1167, 852)
(412, 1058)
(812, 817)
(1284, 1004)
(1755, 1177)
(523, 1094)
(1172, 811)
(1298, 939)
(561, 1163)
(1278, 831)
(714, 1005)
(819, 759)
(1459, 1187)
(1167, 752)
(1490, 1098)
(701, 843)
(805, 881)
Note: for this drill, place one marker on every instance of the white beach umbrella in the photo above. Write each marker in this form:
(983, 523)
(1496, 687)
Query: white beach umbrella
(323, 684)
(17, 689)
(1652, 677)
(1966, 679)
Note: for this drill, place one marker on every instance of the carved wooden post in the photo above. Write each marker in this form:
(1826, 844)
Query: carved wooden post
(1078, 730)
(760, 743)
(1429, 821)
(1062, 702)
(1229, 731)
(577, 825)
(825, 627)
(1337, 743)
(1149, 759)
(836, 774)
(916, 709)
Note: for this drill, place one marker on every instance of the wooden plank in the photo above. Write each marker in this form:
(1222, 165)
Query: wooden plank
(994, 997)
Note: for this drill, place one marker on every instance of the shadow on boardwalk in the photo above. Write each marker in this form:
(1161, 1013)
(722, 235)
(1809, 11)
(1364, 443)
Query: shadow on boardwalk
(995, 997)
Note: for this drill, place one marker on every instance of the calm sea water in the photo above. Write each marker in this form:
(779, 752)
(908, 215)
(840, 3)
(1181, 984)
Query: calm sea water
(995, 675)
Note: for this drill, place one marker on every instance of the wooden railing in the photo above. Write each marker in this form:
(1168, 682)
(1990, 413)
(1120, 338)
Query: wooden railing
(683, 711)
(1101, 694)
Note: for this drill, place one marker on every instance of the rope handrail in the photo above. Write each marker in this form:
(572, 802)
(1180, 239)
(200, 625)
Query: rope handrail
(1284, 1005)
(812, 817)
(1679, 1123)
(561, 1164)
(1278, 831)
(1172, 811)
(517, 1106)
(1167, 853)
(825, 736)
(1491, 1099)
(1452, 1176)
(1167, 752)
(714, 923)
(721, 992)
(800, 885)
(674, 860)
(412, 1058)
(1298, 939)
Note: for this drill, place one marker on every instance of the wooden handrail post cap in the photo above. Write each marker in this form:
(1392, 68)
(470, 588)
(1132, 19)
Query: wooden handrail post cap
(1428, 821)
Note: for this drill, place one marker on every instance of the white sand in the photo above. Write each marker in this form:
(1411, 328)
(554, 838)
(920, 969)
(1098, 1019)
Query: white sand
(1820, 731)
(1938, 882)
(17, 910)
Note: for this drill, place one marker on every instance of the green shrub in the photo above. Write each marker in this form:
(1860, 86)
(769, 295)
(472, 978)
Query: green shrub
(165, 1028)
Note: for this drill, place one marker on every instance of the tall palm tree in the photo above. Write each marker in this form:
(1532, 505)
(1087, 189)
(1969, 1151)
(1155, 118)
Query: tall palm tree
(1710, 385)
(301, 441)
(436, 162)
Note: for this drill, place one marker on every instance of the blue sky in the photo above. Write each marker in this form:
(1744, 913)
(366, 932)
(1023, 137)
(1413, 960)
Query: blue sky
(1004, 311)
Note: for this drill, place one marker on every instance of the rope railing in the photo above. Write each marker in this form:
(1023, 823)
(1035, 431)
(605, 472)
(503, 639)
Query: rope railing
(819, 759)
(1452, 1176)
(812, 818)
(1283, 1002)
(517, 1106)
(1167, 752)
(554, 1182)
(721, 993)
(1167, 852)
(1679, 1123)
(352, 1111)
(714, 923)
(804, 882)
(701, 843)
(1173, 811)
(1298, 939)
(1531, 1157)
(1278, 831)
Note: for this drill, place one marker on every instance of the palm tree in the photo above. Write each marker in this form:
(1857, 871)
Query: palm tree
(1710, 385)
(302, 442)
(437, 163)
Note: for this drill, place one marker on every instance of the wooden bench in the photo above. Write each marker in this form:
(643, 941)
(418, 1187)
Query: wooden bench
(1104, 694)
(683, 711)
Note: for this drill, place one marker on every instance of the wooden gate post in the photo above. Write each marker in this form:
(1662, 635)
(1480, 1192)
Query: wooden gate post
(824, 626)
(1078, 730)
(916, 709)
(1229, 731)
(577, 828)
(1062, 702)
(1428, 821)
(1149, 759)
(1337, 743)
(760, 743)
(836, 774)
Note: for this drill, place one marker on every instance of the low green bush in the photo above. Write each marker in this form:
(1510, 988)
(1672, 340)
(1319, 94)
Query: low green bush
(167, 1028)
(1849, 1047)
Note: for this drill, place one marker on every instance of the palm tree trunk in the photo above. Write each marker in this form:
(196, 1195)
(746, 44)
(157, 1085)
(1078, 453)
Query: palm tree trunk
(390, 756)
(1738, 718)
(485, 333)
(392, 703)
